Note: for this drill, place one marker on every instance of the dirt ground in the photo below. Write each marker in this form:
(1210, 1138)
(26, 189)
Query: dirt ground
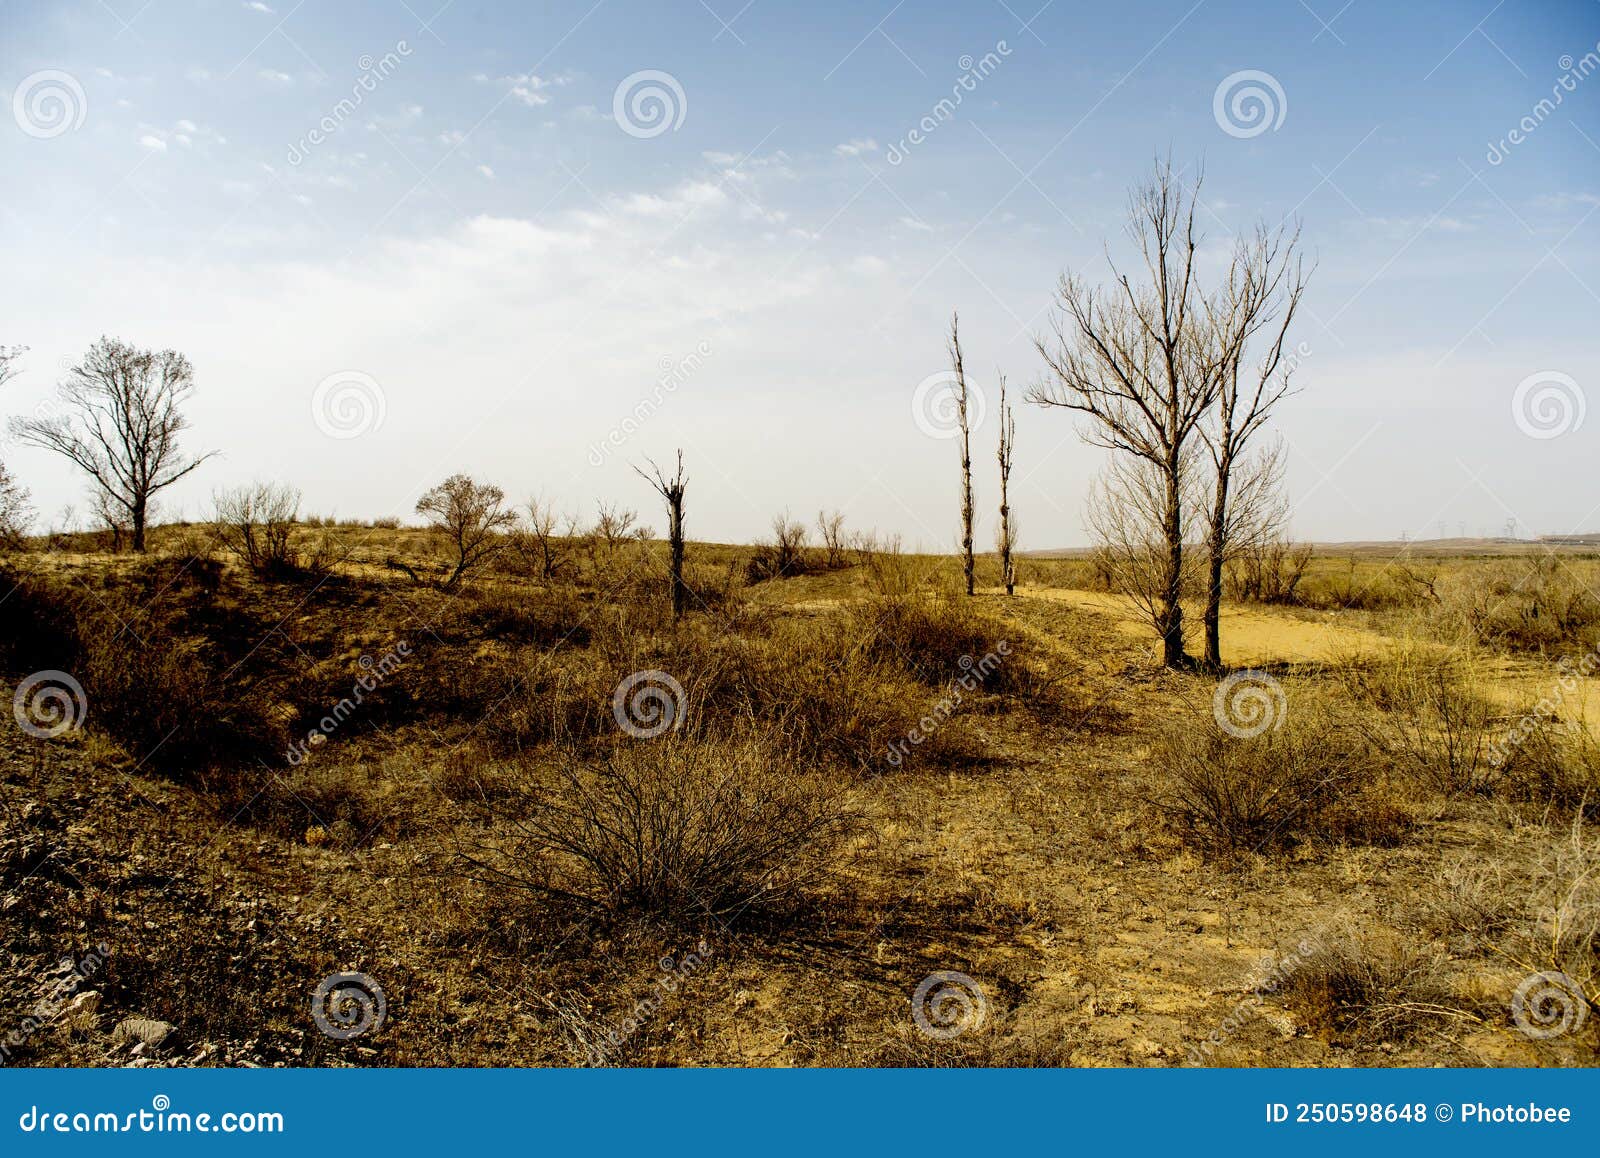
(1089, 932)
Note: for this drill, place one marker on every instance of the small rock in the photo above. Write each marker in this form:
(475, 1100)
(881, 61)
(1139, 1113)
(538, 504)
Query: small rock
(143, 1030)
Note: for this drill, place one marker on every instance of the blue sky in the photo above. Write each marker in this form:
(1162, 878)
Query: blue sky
(483, 270)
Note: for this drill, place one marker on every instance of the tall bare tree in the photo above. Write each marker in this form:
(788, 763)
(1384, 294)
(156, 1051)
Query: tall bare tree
(671, 491)
(471, 517)
(830, 525)
(122, 424)
(964, 422)
(535, 538)
(1131, 357)
(1007, 537)
(15, 512)
(1248, 329)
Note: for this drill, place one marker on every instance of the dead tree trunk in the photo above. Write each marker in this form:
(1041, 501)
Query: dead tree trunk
(963, 419)
(671, 491)
(1008, 435)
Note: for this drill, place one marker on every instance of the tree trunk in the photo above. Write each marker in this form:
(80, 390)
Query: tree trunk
(1173, 654)
(680, 591)
(1217, 545)
(138, 527)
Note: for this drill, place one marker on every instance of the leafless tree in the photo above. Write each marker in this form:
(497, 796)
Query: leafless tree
(122, 426)
(472, 518)
(830, 525)
(963, 420)
(255, 522)
(16, 513)
(108, 517)
(671, 491)
(789, 538)
(1007, 535)
(1248, 327)
(614, 524)
(1133, 359)
(536, 539)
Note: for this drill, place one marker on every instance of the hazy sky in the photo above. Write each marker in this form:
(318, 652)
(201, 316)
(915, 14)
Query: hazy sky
(399, 240)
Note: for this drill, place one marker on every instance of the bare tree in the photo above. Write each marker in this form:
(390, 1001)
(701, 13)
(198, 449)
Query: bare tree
(123, 424)
(1134, 360)
(1249, 325)
(1127, 517)
(255, 522)
(671, 491)
(16, 513)
(108, 517)
(963, 420)
(1007, 535)
(536, 539)
(472, 518)
(830, 525)
(614, 524)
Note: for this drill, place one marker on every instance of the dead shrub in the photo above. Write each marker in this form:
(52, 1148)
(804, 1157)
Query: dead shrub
(679, 827)
(1262, 792)
(1364, 990)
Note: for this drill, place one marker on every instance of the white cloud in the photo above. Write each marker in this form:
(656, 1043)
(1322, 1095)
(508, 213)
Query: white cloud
(869, 265)
(855, 147)
(486, 171)
(528, 88)
(154, 143)
(272, 76)
(919, 226)
(257, 6)
(187, 127)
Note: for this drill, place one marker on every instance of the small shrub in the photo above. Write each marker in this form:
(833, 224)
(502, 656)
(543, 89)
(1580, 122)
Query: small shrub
(1261, 792)
(1365, 990)
(678, 827)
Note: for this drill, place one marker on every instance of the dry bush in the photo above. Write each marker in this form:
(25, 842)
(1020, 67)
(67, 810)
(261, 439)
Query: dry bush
(1430, 711)
(784, 555)
(1364, 989)
(1268, 572)
(255, 522)
(1537, 604)
(935, 639)
(1546, 761)
(1263, 792)
(678, 827)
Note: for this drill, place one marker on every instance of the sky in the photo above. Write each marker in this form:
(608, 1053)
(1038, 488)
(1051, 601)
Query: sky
(543, 244)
